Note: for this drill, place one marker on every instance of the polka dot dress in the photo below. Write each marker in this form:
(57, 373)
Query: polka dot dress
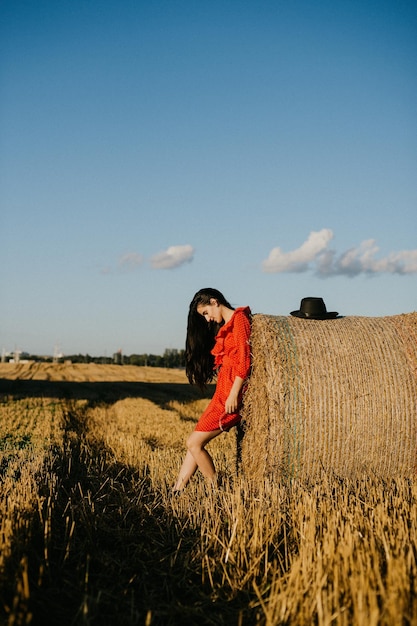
(232, 356)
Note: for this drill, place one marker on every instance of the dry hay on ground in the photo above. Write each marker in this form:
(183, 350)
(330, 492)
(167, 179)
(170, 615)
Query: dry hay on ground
(334, 396)
(90, 372)
(92, 382)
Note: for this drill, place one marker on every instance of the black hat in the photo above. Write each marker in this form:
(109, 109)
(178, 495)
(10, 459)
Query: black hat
(314, 309)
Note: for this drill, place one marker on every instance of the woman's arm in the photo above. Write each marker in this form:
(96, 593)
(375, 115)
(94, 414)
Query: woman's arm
(241, 332)
(232, 402)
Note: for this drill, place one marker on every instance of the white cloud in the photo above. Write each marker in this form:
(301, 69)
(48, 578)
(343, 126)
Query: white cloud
(174, 256)
(130, 261)
(362, 260)
(298, 260)
(315, 254)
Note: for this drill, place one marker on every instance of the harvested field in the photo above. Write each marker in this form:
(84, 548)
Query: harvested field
(91, 372)
(90, 533)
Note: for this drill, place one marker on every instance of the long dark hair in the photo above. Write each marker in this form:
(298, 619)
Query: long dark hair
(200, 338)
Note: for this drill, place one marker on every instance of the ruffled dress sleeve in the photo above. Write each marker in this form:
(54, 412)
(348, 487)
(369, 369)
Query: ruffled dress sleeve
(232, 346)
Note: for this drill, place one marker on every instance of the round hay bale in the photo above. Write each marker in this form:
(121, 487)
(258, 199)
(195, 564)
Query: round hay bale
(336, 396)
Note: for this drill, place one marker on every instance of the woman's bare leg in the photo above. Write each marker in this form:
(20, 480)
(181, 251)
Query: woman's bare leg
(197, 456)
(187, 470)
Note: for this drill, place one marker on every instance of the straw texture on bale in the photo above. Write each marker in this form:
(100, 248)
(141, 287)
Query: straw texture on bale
(337, 396)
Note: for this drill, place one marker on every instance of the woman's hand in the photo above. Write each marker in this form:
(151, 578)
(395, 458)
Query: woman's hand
(232, 402)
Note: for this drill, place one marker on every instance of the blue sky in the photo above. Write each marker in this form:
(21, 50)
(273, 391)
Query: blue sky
(148, 149)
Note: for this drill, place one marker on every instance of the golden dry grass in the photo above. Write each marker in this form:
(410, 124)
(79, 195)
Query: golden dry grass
(90, 533)
(89, 372)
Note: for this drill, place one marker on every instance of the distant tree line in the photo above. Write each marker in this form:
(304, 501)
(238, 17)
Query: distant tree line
(172, 358)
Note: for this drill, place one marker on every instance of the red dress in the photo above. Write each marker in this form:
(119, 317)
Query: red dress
(232, 356)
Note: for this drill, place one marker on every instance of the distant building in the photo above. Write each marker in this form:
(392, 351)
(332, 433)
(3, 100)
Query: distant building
(118, 358)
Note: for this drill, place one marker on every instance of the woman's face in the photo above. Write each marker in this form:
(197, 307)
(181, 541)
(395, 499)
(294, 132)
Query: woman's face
(211, 312)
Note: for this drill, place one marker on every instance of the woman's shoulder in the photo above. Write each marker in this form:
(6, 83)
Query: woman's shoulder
(241, 315)
(243, 310)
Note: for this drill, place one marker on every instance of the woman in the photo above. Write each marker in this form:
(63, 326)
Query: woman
(217, 342)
